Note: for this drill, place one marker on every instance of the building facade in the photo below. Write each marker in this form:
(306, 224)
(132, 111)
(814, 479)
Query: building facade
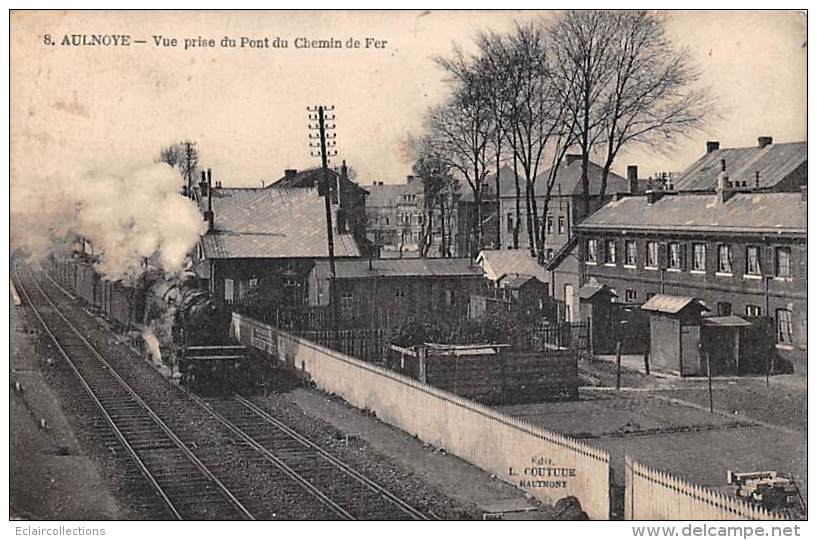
(385, 292)
(741, 253)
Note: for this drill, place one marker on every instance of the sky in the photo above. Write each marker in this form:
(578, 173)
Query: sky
(81, 108)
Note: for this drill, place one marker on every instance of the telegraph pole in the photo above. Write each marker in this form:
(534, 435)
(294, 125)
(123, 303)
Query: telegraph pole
(326, 140)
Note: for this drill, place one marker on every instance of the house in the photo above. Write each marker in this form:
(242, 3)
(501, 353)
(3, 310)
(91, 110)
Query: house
(257, 233)
(349, 197)
(384, 292)
(398, 220)
(739, 251)
(497, 264)
(764, 167)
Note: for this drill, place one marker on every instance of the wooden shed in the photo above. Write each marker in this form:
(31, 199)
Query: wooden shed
(675, 333)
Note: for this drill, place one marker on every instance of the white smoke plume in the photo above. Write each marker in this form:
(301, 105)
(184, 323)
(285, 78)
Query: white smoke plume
(128, 217)
(152, 345)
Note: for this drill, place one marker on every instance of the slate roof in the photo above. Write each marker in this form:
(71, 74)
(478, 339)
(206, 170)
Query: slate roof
(774, 163)
(589, 290)
(350, 269)
(305, 178)
(750, 213)
(568, 178)
(517, 281)
(283, 223)
(667, 303)
(391, 194)
(497, 263)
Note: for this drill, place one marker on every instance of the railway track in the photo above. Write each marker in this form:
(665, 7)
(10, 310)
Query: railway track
(181, 479)
(329, 478)
(182, 486)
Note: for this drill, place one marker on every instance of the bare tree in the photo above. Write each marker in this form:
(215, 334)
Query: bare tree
(581, 43)
(183, 156)
(623, 82)
(461, 130)
(439, 187)
(652, 96)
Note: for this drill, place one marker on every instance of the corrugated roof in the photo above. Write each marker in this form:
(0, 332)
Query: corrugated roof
(280, 223)
(667, 303)
(401, 268)
(782, 213)
(500, 262)
(773, 162)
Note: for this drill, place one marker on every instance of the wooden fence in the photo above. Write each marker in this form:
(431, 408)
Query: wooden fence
(650, 494)
(371, 345)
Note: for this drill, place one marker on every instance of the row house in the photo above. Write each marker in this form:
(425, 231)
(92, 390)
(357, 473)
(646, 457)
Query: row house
(743, 253)
(397, 219)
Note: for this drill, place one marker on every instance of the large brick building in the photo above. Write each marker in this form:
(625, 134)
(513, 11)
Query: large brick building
(742, 252)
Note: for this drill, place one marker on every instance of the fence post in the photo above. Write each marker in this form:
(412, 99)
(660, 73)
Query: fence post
(647, 363)
(618, 365)
(709, 378)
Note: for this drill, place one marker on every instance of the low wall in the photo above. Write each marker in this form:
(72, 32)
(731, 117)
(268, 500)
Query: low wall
(545, 464)
(650, 494)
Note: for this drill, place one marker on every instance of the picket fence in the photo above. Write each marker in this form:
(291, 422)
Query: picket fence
(651, 494)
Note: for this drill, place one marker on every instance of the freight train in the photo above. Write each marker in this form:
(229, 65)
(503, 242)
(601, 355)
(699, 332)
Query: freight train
(181, 326)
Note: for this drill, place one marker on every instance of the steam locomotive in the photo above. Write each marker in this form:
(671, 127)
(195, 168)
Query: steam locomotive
(182, 326)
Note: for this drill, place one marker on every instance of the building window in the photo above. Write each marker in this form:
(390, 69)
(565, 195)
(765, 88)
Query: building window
(561, 224)
(387, 220)
(675, 255)
(752, 310)
(229, 290)
(782, 257)
(510, 222)
(630, 253)
(725, 259)
(347, 305)
(783, 324)
(592, 251)
(400, 296)
(652, 254)
(550, 224)
(630, 295)
(724, 309)
(253, 282)
(752, 260)
(611, 252)
(449, 298)
(699, 257)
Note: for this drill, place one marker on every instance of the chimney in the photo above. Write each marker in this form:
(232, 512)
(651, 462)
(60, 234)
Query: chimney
(409, 178)
(290, 173)
(209, 179)
(344, 171)
(632, 179)
(763, 142)
(653, 195)
(570, 158)
(723, 189)
(804, 193)
(711, 146)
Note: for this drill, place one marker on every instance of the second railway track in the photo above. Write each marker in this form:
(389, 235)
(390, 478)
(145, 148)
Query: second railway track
(186, 477)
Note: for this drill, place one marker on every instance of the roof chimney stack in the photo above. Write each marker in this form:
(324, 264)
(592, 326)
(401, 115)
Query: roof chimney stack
(763, 142)
(290, 173)
(723, 190)
(711, 146)
(570, 158)
(632, 179)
